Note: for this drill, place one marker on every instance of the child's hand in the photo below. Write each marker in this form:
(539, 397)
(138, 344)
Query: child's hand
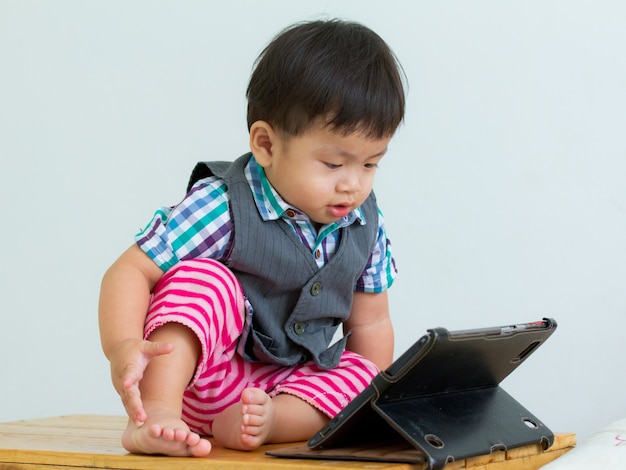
(128, 361)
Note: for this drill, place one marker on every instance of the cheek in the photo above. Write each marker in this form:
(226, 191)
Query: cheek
(322, 185)
(309, 188)
(367, 180)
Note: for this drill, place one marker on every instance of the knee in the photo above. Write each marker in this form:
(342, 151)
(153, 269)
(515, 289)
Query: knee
(200, 271)
(203, 292)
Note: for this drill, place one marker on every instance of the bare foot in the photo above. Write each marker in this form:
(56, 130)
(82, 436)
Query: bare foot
(164, 433)
(246, 425)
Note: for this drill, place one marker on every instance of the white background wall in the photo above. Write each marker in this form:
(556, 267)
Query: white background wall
(504, 192)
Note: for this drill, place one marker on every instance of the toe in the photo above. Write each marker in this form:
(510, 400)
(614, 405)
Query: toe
(254, 396)
(252, 420)
(169, 434)
(180, 435)
(201, 449)
(255, 410)
(155, 431)
(192, 439)
(250, 441)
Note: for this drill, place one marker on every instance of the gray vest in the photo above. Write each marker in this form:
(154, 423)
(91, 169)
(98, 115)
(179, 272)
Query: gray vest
(297, 306)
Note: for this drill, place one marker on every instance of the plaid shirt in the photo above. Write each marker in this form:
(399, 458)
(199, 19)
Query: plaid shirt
(201, 227)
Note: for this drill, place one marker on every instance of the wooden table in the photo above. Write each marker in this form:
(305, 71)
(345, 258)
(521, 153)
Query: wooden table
(85, 441)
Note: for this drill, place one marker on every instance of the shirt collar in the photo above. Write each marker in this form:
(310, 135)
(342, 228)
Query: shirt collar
(272, 206)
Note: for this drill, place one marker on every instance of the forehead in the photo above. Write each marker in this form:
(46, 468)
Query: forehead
(357, 144)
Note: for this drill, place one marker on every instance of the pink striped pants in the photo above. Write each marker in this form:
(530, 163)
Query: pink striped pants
(205, 296)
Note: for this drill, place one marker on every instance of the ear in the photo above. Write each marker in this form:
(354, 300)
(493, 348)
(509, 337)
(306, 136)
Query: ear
(262, 139)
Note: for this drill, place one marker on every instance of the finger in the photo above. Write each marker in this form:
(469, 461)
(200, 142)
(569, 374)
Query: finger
(152, 349)
(131, 399)
(132, 374)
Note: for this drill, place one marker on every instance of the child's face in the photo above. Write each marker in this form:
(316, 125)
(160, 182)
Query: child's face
(323, 173)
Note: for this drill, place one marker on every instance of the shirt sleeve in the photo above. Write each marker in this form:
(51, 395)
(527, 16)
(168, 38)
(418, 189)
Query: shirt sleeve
(199, 227)
(380, 271)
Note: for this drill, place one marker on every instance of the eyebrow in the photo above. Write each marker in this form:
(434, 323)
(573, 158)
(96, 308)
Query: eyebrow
(344, 153)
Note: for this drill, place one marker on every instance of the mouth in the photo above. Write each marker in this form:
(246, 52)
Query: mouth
(340, 210)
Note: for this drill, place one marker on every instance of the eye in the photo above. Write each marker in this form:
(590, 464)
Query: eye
(332, 166)
(371, 166)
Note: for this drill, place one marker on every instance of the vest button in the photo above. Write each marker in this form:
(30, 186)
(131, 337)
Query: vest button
(299, 327)
(316, 288)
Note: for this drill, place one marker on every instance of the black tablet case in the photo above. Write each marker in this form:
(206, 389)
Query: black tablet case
(439, 402)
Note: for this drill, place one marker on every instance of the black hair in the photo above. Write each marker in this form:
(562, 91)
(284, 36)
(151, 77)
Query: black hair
(340, 72)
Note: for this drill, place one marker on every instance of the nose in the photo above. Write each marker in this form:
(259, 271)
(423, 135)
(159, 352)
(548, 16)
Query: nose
(350, 182)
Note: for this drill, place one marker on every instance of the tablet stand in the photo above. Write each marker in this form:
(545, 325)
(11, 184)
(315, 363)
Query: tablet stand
(451, 406)
(451, 426)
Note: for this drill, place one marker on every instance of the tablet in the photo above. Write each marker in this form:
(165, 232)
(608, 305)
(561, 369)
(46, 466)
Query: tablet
(441, 400)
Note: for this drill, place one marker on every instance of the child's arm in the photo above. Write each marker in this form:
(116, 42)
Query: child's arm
(124, 299)
(371, 328)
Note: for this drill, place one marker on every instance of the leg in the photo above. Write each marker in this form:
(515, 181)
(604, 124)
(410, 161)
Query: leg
(198, 306)
(300, 403)
(258, 419)
(162, 387)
